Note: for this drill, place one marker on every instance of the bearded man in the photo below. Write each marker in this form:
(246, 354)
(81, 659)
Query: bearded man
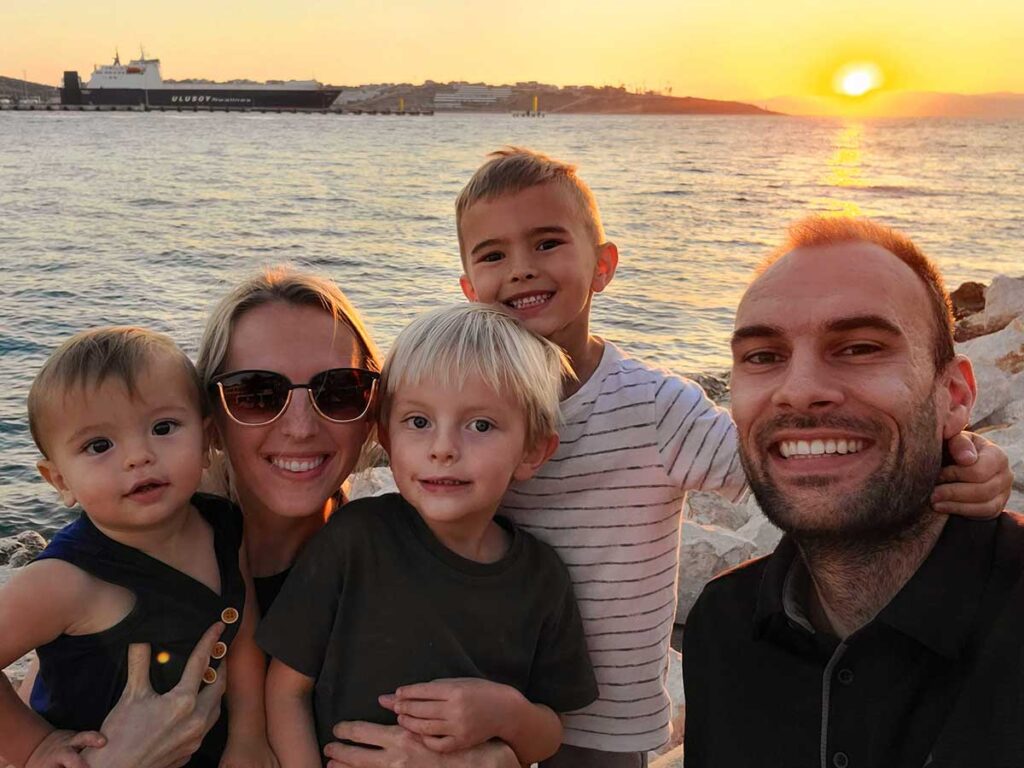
(879, 633)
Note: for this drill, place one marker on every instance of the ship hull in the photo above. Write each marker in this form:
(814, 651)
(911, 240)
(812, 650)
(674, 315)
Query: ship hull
(221, 98)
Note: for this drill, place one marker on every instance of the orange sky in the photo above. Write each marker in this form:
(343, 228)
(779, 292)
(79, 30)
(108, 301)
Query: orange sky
(733, 49)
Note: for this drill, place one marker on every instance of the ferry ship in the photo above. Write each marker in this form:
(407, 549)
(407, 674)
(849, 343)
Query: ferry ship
(139, 83)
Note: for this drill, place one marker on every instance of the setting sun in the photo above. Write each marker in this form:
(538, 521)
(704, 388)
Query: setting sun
(857, 78)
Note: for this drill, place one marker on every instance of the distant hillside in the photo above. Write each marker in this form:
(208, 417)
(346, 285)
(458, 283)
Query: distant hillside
(1003, 106)
(13, 88)
(551, 100)
(635, 104)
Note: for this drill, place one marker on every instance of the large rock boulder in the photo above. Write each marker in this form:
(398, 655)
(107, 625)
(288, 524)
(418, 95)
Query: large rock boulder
(1004, 300)
(18, 550)
(998, 360)
(712, 509)
(706, 551)
(968, 299)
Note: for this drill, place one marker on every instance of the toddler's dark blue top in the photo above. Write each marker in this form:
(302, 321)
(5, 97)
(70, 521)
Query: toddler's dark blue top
(81, 677)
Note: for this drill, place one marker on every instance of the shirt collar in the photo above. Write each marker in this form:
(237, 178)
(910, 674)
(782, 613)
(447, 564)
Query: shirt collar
(937, 606)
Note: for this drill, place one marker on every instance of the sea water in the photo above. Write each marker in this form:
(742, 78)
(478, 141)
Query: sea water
(148, 218)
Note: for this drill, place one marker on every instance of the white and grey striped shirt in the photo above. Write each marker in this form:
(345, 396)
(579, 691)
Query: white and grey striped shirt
(634, 440)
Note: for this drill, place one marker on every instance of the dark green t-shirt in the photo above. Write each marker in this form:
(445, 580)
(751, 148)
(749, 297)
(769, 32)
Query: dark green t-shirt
(375, 602)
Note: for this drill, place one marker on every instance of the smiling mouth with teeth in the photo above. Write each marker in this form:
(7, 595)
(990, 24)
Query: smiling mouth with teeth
(297, 465)
(806, 449)
(526, 302)
(447, 481)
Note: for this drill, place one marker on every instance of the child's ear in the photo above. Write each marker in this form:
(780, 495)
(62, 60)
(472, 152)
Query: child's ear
(534, 458)
(960, 388)
(52, 475)
(604, 270)
(467, 288)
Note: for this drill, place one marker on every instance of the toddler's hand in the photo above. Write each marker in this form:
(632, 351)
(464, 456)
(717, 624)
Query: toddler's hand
(60, 749)
(452, 714)
(979, 484)
(248, 753)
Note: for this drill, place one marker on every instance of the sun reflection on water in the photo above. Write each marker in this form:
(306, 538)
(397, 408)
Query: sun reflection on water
(845, 169)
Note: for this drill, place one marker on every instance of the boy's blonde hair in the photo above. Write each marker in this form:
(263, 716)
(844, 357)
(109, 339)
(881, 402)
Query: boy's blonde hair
(514, 169)
(90, 358)
(449, 345)
(286, 285)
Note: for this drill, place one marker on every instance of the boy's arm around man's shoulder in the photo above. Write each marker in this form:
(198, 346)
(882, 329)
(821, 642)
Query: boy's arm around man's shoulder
(696, 439)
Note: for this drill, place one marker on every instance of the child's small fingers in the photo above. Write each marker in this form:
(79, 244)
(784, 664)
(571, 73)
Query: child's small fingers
(426, 691)
(387, 700)
(962, 449)
(424, 726)
(425, 710)
(980, 511)
(86, 739)
(967, 492)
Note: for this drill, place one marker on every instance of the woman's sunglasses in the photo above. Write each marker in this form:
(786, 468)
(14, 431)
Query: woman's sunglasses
(257, 398)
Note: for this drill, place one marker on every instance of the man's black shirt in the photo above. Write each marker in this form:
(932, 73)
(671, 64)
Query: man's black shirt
(935, 679)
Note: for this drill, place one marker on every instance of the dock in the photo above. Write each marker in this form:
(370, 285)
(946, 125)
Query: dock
(199, 108)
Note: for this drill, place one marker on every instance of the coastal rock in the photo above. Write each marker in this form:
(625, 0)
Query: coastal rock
(18, 550)
(715, 385)
(1004, 300)
(672, 759)
(968, 299)
(761, 533)
(998, 360)
(705, 551)
(712, 509)
(371, 482)
(16, 672)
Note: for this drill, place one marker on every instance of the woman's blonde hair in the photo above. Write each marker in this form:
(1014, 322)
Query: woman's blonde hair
(286, 285)
(449, 345)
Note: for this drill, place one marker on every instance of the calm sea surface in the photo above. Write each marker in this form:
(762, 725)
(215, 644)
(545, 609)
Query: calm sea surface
(148, 218)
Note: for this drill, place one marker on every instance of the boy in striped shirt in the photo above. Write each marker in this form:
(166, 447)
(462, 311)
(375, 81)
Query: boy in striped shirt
(634, 439)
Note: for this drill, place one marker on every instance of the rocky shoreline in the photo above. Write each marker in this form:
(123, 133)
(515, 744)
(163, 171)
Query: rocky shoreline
(718, 535)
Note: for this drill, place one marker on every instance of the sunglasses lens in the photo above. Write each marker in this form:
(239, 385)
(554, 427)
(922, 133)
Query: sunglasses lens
(254, 397)
(342, 394)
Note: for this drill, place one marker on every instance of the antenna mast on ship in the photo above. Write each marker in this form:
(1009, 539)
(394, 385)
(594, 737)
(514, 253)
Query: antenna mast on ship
(117, 57)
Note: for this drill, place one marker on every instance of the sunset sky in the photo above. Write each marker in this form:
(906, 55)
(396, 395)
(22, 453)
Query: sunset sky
(728, 49)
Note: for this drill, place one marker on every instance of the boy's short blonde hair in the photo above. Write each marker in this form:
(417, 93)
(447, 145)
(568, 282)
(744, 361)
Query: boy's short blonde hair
(449, 345)
(90, 358)
(514, 169)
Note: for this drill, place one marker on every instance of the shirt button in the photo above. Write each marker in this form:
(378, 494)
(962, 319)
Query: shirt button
(840, 760)
(229, 615)
(210, 677)
(845, 676)
(219, 649)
